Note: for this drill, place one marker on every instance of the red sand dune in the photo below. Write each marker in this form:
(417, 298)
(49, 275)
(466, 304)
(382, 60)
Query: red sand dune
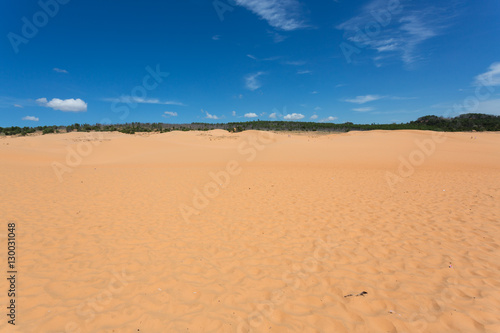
(253, 232)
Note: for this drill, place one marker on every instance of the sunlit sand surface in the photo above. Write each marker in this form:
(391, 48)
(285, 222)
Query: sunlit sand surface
(254, 232)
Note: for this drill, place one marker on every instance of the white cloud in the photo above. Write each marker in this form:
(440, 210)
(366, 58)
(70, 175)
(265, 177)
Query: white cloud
(61, 70)
(233, 113)
(364, 99)
(210, 116)
(216, 37)
(314, 92)
(250, 115)
(32, 118)
(294, 116)
(314, 116)
(398, 32)
(251, 81)
(274, 58)
(340, 85)
(317, 108)
(272, 115)
(277, 38)
(363, 109)
(66, 105)
(387, 47)
(169, 113)
(489, 78)
(328, 119)
(304, 72)
(417, 31)
(140, 100)
(280, 14)
(18, 106)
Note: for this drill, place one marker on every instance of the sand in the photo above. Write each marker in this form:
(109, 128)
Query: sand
(253, 232)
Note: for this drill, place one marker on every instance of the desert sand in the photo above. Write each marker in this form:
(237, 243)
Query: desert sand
(381, 231)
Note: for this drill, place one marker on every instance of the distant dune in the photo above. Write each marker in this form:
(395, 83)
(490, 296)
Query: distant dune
(379, 231)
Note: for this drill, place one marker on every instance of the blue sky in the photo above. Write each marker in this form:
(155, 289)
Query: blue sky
(377, 61)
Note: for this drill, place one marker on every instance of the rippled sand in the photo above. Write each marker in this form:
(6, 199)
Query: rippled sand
(253, 232)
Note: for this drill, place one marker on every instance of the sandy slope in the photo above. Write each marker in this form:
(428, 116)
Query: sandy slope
(252, 232)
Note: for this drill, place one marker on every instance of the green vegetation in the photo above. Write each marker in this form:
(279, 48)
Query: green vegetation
(49, 130)
(463, 123)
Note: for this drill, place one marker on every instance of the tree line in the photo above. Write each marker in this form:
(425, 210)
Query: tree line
(462, 123)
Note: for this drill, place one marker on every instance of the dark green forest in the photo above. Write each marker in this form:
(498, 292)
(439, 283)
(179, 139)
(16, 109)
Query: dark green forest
(463, 123)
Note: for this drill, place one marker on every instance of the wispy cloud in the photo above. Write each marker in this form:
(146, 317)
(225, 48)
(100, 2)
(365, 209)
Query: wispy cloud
(277, 38)
(364, 99)
(304, 72)
(251, 81)
(166, 114)
(31, 118)
(250, 115)
(233, 113)
(209, 116)
(9, 102)
(397, 32)
(489, 107)
(483, 104)
(216, 37)
(363, 109)
(132, 100)
(314, 116)
(60, 70)
(295, 63)
(489, 78)
(274, 58)
(66, 105)
(327, 119)
(294, 116)
(273, 115)
(280, 14)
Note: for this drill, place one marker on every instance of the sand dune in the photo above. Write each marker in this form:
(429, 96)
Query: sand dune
(253, 232)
